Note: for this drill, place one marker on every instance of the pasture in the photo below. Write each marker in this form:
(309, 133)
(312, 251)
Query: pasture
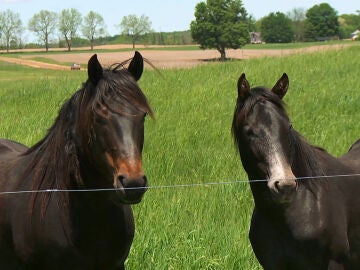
(203, 226)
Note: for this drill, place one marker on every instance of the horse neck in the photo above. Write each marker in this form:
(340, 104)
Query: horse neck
(91, 175)
(53, 161)
(305, 159)
(311, 165)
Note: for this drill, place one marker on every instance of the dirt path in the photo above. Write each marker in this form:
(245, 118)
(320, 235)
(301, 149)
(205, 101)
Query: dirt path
(162, 59)
(32, 63)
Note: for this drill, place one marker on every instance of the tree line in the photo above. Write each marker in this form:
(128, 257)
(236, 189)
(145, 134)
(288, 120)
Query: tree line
(218, 24)
(72, 29)
(320, 22)
(222, 24)
(68, 23)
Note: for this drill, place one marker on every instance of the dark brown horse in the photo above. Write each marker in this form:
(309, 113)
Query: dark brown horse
(95, 143)
(301, 219)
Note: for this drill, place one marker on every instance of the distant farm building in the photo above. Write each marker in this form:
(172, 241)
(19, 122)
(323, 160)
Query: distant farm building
(255, 38)
(355, 35)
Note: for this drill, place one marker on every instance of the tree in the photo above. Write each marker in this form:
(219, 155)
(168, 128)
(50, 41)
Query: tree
(43, 24)
(135, 26)
(297, 16)
(69, 23)
(220, 24)
(252, 24)
(277, 28)
(321, 22)
(11, 27)
(349, 23)
(93, 27)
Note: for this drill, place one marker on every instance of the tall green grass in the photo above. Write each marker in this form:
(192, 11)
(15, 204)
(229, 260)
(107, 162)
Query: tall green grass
(199, 227)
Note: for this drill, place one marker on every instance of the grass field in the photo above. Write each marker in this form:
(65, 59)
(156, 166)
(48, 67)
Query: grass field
(199, 227)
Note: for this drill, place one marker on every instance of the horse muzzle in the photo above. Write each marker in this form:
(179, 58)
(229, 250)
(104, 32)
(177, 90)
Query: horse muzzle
(283, 188)
(130, 190)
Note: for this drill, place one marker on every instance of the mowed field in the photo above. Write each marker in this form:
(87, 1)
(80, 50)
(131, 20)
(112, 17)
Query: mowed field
(199, 226)
(162, 57)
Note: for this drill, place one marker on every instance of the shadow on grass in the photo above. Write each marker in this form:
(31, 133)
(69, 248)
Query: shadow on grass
(218, 60)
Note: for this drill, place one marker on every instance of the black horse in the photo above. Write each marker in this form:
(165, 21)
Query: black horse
(95, 143)
(303, 218)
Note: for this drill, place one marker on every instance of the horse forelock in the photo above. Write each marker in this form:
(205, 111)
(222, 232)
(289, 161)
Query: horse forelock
(118, 92)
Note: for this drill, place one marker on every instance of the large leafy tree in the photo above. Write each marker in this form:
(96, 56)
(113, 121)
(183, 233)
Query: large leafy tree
(43, 24)
(10, 26)
(277, 28)
(220, 24)
(135, 27)
(69, 23)
(93, 27)
(348, 23)
(297, 16)
(321, 22)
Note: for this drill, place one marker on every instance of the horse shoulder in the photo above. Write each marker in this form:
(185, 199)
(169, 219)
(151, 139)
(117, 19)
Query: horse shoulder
(276, 247)
(9, 154)
(352, 157)
(313, 212)
(322, 218)
(8, 146)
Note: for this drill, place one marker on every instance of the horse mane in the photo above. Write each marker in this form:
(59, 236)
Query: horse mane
(54, 160)
(304, 161)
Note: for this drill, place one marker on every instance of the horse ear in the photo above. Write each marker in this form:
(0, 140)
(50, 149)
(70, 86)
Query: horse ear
(136, 66)
(243, 87)
(281, 86)
(95, 70)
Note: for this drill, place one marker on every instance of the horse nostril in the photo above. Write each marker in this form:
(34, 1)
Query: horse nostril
(283, 186)
(121, 179)
(144, 181)
(131, 190)
(277, 186)
(140, 182)
(286, 186)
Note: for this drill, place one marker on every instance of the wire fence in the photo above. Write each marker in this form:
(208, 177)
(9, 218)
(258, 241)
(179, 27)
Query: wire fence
(202, 184)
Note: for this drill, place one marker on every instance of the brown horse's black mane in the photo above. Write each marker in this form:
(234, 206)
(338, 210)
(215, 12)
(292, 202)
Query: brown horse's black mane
(303, 155)
(55, 160)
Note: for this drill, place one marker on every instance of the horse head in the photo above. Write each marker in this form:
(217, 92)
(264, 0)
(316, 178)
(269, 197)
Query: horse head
(111, 123)
(261, 131)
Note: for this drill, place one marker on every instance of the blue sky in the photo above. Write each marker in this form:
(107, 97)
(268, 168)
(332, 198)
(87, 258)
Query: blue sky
(165, 15)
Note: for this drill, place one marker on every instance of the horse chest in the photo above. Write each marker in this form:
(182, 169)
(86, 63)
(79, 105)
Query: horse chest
(91, 238)
(306, 231)
(306, 217)
(103, 235)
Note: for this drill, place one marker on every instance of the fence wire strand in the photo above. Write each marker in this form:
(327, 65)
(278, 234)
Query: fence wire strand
(204, 184)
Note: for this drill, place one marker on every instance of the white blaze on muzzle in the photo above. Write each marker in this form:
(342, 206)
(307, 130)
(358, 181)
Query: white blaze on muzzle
(281, 178)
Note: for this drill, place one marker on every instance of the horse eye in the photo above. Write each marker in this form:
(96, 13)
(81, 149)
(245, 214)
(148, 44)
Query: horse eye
(113, 151)
(248, 131)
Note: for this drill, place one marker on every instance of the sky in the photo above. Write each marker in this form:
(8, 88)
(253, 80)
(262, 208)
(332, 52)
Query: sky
(165, 15)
